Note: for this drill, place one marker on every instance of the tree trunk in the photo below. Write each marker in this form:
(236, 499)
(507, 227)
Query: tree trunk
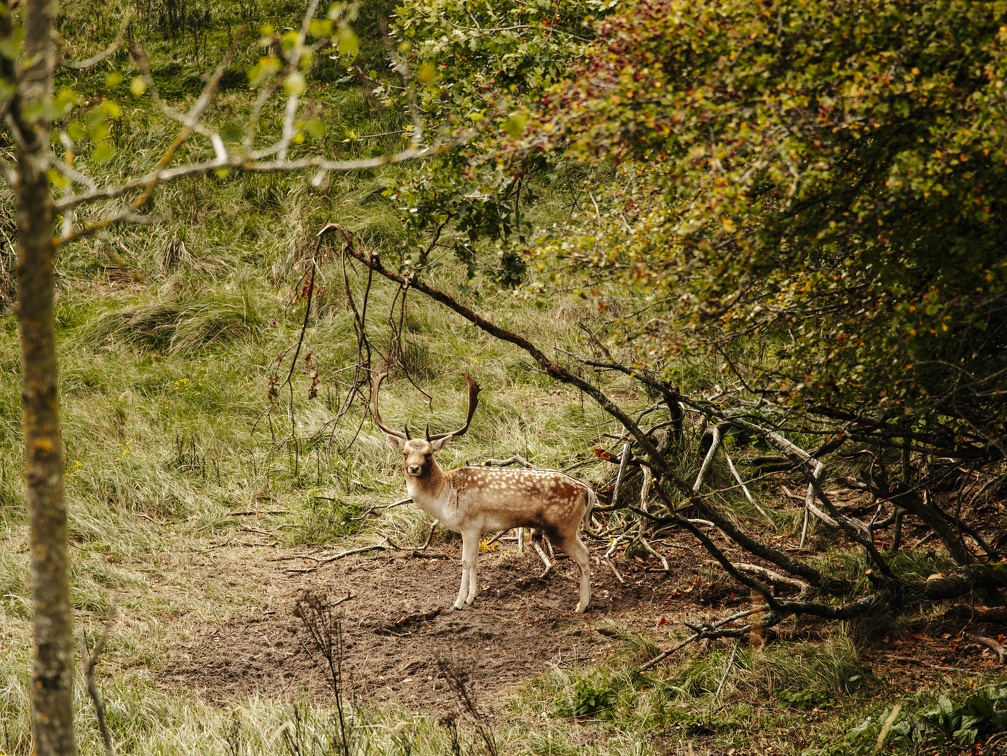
(52, 671)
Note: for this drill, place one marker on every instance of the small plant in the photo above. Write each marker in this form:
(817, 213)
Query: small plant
(457, 678)
(325, 630)
(805, 699)
(981, 714)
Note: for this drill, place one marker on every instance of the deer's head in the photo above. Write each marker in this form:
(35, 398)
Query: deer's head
(418, 453)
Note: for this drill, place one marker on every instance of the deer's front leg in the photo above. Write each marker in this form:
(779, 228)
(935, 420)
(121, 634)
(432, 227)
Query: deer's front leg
(470, 552)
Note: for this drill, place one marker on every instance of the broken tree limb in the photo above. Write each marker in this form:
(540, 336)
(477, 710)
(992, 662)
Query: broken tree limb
(809, 505)
(744, 488)
(853, 528)
(660, 466)
(772, 576)
(715, 431)
(618, 478)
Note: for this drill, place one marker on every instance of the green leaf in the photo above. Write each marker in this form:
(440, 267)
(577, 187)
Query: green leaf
(231, 132)
(267, 67)
(111, 108)
(103, 152)
(320, 27)
(314, 127)
(76, 130)
(294, 84)
(426, 73)
(10, 47)
(57, 179)
(138, 86)
(515, 124)
(288, 40)
(347, 42)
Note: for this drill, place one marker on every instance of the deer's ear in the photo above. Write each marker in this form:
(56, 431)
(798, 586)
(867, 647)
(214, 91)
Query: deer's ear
(439, 444)
(395, 441)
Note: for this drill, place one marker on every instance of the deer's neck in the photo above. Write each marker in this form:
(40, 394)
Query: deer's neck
(433, 493)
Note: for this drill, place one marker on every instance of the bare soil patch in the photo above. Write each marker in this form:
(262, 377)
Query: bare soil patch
(398, 623)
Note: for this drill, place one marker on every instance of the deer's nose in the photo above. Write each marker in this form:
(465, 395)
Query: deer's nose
(414, 469)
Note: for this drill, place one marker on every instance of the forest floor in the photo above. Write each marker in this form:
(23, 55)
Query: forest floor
(398, 626)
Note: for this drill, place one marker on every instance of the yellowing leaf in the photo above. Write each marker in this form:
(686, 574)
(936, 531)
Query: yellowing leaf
(295, 85)
(320, 27)
(426, 73)
(264, 70)
(314, 127)
(57, 179)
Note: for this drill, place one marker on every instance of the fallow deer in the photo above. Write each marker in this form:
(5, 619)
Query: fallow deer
(474, 500)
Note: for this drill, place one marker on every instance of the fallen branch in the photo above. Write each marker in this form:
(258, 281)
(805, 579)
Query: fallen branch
(714, 445)
(744, 488)
(992, 645)
(696, 636)
(385, 545)
(772, 576)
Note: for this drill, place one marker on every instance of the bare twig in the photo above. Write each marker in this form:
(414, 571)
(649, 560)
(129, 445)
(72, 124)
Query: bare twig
(458, 680)
(108, 52)
(809, 506)
(727, 670)
(325, 629)
(615, 572)
(772, 576)
(696, 636)
(89, 659)
(704, 468)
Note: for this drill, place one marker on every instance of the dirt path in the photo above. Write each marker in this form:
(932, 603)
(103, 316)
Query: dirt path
(398, 623)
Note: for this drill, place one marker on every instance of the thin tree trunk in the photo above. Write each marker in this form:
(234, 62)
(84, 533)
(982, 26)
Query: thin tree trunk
(52, 670)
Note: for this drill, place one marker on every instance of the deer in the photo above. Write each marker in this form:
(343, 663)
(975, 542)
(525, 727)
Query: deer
(475, 500)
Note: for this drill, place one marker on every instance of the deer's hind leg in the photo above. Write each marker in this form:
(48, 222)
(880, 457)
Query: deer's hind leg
(577, 551)
(536, 541)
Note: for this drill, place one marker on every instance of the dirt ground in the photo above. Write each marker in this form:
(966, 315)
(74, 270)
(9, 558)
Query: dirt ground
(398, 624)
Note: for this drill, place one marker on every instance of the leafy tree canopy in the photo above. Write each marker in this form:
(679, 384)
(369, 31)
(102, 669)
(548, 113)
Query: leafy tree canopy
(830, 176)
